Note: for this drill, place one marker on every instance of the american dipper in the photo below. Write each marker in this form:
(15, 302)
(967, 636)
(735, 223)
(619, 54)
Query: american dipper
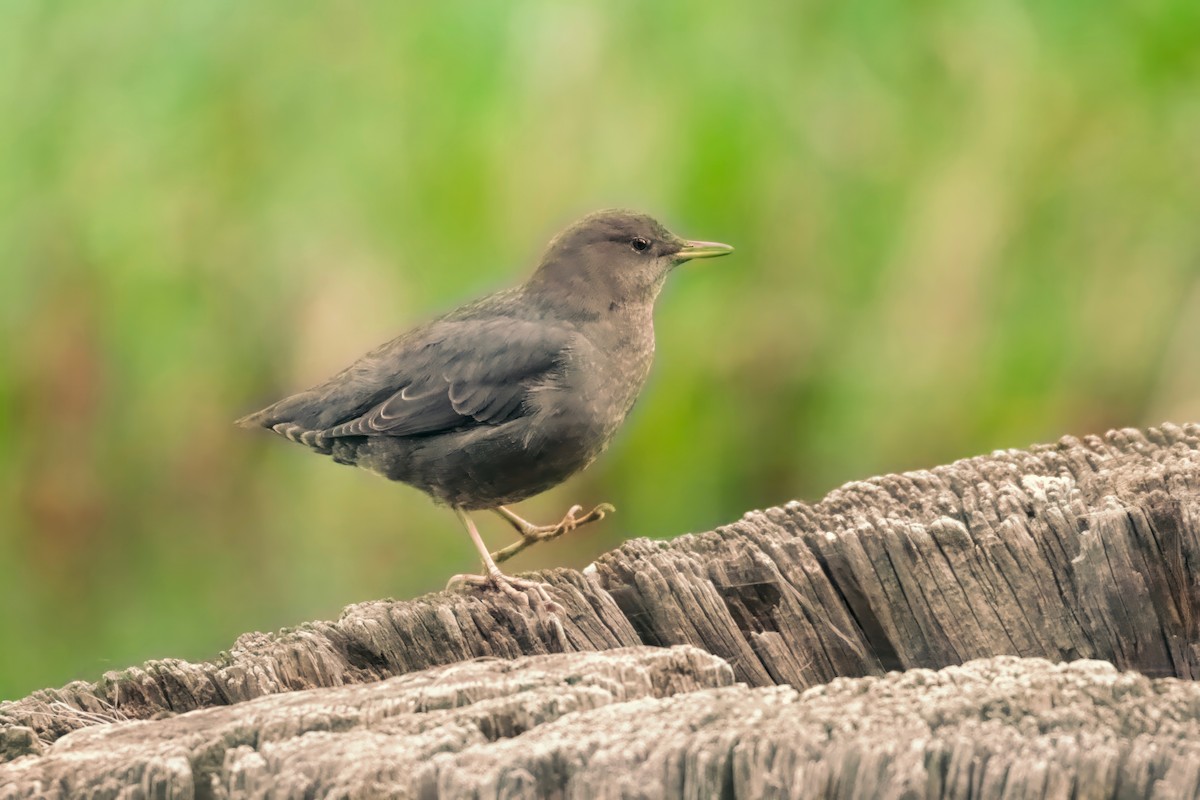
(505, 397)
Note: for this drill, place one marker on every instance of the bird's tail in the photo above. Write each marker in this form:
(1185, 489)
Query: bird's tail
(281, 418)
(255, 420)
(298, 408)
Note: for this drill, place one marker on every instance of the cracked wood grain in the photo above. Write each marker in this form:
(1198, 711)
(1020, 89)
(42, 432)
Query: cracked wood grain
(650, 723)
(1085, 548)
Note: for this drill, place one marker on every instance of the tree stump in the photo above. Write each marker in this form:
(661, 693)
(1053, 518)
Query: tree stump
(905, 636)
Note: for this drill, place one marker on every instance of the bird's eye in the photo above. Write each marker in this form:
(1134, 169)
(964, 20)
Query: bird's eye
(641, 245)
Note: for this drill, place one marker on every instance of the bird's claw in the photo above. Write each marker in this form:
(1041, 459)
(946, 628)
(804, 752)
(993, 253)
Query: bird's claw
(529, 594)
(532, 534)
(569, 522)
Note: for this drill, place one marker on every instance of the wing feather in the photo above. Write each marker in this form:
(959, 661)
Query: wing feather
(467, 375)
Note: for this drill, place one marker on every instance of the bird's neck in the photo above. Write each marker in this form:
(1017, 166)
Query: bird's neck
(578, 295)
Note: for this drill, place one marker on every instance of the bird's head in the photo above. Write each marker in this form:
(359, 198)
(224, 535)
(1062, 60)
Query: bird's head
(613, 258)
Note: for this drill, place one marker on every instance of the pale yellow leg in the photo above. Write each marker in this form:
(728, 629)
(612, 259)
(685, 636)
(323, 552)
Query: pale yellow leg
(531, 594)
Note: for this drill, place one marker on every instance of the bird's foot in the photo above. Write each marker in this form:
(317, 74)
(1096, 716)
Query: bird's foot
(533, 595)
(532, 534)
(529, 594)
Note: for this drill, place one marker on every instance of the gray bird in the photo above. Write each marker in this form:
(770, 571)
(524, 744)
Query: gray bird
(508, 396)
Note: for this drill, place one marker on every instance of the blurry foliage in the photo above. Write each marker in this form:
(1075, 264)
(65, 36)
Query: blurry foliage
(960, 226)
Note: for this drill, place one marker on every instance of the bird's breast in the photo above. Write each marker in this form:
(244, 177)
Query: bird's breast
(603, 375)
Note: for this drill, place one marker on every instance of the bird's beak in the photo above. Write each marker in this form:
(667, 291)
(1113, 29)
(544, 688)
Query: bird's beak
(692, 250)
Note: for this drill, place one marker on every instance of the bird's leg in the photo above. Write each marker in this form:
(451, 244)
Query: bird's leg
(532, 534)
(527, 592)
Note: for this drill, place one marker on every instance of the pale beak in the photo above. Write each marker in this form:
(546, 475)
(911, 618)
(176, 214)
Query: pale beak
(692, 250)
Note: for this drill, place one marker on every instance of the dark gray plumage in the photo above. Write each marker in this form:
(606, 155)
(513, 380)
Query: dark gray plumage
(508, 396)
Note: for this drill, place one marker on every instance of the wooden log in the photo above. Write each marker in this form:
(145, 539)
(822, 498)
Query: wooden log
(369, 642)
(651, 722)
(1086, 548)
(1081, 549)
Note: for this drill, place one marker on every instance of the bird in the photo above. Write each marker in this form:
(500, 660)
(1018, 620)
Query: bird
(509, 395)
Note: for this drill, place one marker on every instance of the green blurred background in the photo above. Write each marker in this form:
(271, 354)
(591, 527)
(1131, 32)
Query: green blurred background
(959, 226)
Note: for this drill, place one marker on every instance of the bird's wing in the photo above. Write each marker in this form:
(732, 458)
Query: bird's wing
(455, 374)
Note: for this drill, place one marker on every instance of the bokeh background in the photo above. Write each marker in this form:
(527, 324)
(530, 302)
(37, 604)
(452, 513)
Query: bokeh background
(960, 226)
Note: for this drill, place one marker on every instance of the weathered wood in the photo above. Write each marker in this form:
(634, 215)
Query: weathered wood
(369, 642)
(1085, 548)
(649, 722)
(368, 738)
(1081, 549)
